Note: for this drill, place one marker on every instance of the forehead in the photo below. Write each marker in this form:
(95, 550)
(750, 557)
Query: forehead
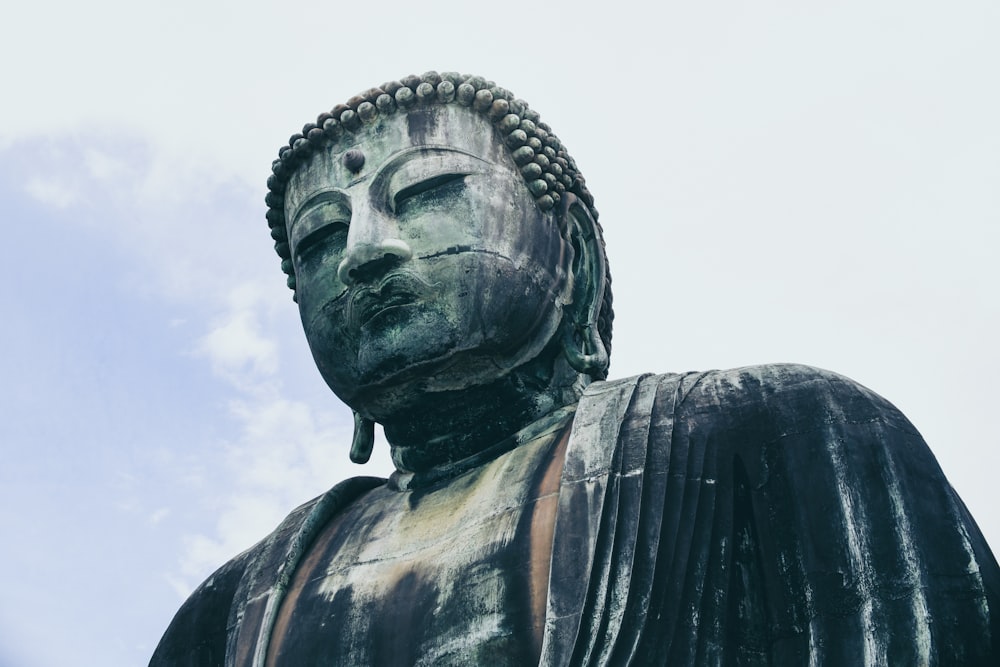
(433, 125)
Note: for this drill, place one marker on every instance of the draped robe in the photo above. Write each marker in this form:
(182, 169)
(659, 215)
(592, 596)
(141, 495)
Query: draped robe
(765, 515)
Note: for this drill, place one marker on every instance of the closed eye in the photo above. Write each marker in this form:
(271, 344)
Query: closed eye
(425, 186)
(315, 239)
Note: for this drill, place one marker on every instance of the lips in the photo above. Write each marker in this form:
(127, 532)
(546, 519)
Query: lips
(369, 308)
(395, 290)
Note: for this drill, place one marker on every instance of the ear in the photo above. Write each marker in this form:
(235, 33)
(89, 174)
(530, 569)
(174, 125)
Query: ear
(364, 439)
(587, 278)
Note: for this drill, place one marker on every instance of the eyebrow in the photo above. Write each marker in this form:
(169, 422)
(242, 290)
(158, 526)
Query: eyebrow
(333, 194)
(295, 223)
(329, 195)
(382, 179)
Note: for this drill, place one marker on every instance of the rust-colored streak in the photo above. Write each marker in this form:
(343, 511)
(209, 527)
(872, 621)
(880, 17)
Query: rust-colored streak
(304, 573)
(543, 520)
(251, 621)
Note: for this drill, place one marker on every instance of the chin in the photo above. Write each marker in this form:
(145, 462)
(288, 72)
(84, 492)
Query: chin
(387, 386)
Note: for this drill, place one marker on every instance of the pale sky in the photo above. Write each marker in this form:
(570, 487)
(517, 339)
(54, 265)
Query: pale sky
(778, 181)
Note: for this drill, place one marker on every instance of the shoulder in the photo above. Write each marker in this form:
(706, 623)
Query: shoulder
(775, 380)
(197, 634)
(793, 395)
(747, 383)
(767, 399)
(201, 629)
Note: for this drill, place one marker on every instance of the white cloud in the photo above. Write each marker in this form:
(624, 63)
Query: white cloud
(235, 347)
(159, 515)
(104, 166)
(181, 587)
(52, 192)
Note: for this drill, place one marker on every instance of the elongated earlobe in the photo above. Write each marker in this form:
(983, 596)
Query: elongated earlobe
(584, 349)
(364, 439)
(581, 340)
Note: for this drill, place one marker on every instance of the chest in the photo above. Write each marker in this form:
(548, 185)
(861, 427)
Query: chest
(455, 574)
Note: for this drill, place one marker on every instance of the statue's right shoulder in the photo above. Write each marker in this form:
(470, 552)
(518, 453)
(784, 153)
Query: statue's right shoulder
(200, 632)
(197, 635)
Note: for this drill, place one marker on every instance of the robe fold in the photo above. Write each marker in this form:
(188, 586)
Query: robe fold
(766, 515)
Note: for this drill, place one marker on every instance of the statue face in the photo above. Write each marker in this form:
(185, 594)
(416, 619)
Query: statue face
(426, 268)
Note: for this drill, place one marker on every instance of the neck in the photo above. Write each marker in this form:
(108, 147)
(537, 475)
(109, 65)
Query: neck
(549, 426)
(436, 432)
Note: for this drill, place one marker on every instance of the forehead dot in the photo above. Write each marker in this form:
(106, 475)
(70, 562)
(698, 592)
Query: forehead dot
(354, 159)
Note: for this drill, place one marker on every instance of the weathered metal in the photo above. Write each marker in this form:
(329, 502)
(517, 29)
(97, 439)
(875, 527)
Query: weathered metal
(766, 515)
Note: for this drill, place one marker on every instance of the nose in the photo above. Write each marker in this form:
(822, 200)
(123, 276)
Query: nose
(373, 244)
(367, 261)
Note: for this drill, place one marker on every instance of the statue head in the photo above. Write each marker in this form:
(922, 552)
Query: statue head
(439, 238)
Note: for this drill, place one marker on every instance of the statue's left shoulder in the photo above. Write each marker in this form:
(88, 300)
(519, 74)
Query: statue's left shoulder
(803, 500)
(786, 396)
(784, 378)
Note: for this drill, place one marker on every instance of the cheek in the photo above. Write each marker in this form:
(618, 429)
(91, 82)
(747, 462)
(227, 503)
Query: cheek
(323, 313)
(510, 224)
(506, 302)
(316, 272)
(327, 342)
(317, 284)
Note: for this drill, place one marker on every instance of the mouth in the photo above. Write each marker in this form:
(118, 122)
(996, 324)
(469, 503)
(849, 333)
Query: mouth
(369, 302)
(371, 308)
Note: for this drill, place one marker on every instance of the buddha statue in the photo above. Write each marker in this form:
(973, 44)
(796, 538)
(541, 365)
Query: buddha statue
(450, 274)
